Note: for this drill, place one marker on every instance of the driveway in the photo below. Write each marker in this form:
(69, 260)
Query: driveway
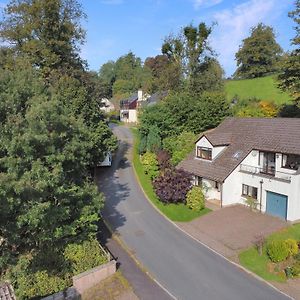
(186, 268)
(232, 229)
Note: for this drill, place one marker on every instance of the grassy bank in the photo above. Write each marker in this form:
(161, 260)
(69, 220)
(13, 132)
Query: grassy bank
(261, 264)
(264, 88)
(175, 212)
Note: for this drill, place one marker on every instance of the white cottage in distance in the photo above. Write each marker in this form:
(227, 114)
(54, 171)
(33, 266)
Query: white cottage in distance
(256, 157)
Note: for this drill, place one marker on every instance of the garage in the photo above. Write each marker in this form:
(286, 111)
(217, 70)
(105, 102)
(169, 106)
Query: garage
(277, 205)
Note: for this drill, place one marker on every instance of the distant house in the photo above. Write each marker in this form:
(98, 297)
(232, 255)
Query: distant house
(130, 107)
(256, 158)
(106, 105)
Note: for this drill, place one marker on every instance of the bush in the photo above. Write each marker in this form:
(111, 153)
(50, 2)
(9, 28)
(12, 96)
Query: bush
(85, 256)
(150, 164)
(292, 246)
(163, 159)
(295, 269)
(143, 145)
(153, 139)
(278, 251)
(195, 199)
(30, 284)
(172, 185)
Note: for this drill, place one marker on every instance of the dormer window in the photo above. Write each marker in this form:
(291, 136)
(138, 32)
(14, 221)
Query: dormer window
(204, 153)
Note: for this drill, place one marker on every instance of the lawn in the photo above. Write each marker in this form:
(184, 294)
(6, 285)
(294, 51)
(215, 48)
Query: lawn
(175, 212)
(259, 264)
(264, 88)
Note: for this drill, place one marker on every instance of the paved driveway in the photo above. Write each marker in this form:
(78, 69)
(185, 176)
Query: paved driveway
(184, 267)
(231, 229)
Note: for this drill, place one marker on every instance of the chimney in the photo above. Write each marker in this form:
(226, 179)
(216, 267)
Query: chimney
(140, 95)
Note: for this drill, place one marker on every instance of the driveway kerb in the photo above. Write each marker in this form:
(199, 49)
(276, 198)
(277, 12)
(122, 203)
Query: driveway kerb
(201, 243)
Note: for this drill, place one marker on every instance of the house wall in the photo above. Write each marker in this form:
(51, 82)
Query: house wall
(132, 116)
(232, 187)
(204, 142)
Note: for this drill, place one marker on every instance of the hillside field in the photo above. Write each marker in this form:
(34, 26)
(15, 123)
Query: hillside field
(262, 88)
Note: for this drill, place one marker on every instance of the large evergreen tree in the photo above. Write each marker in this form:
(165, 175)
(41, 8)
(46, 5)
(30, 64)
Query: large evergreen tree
(289, 79)
(259, 54)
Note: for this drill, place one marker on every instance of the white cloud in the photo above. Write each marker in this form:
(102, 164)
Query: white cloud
(206, 3)
(112, 2)
(234, 25)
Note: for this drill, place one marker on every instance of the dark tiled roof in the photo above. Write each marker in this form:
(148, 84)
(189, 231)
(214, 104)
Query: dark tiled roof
(129, 100)
(156, 97)
(241, 135)
(6, 292)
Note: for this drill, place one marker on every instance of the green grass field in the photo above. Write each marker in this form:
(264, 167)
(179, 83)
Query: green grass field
(262, 88)
(175, 212)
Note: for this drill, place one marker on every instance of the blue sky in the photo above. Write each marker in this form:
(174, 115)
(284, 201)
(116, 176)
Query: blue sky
(115, 27)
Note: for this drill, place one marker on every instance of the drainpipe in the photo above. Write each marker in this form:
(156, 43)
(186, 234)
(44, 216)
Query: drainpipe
(260, 201)
(221, 191)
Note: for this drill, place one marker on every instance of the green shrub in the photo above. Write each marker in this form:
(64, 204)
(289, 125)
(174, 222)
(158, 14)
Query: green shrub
(295, 269)
(195, 199)
(292, 246)
(150, 164)
(277, 251)
(85, 256)
(30, 284)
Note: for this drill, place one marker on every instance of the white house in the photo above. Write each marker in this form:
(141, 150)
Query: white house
(129, 107)
(250, 157)
(106, 105)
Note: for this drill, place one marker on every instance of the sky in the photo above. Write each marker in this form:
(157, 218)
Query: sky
(115, 27)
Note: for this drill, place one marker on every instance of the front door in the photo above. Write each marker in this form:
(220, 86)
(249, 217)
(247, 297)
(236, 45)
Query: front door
(277, 205)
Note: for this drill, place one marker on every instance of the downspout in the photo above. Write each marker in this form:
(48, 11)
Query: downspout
(221, 190)
(260, 200)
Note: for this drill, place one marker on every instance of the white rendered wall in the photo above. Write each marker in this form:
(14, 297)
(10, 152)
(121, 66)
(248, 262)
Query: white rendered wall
(232, 187)
(204, 142)
(209, 189)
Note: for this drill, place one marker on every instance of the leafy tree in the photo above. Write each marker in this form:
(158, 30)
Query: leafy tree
(172, 185)
(165, 74)
(179, 146)
(185, 112)
(47, 198)
(289, 79)
(107, 76)
(259, 54)
(47, 33)
(192, 55)
(153, 139)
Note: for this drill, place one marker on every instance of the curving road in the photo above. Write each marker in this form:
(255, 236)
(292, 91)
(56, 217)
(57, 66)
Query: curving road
(187, 269)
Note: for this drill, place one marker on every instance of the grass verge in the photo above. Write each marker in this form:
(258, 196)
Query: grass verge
(175, 212)
(260, 264)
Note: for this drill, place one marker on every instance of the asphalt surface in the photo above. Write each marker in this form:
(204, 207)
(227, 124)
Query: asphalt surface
(144, 287)
(187, 269)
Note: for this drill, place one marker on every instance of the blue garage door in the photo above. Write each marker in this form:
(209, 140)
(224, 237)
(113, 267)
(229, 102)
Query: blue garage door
(277, 205)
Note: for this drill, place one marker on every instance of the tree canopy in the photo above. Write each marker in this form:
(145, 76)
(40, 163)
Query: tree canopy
(289, 78)
(47, 33)
(259, 53)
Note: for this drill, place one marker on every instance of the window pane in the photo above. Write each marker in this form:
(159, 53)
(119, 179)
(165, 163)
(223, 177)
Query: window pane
(291, 161)
(245, 189)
